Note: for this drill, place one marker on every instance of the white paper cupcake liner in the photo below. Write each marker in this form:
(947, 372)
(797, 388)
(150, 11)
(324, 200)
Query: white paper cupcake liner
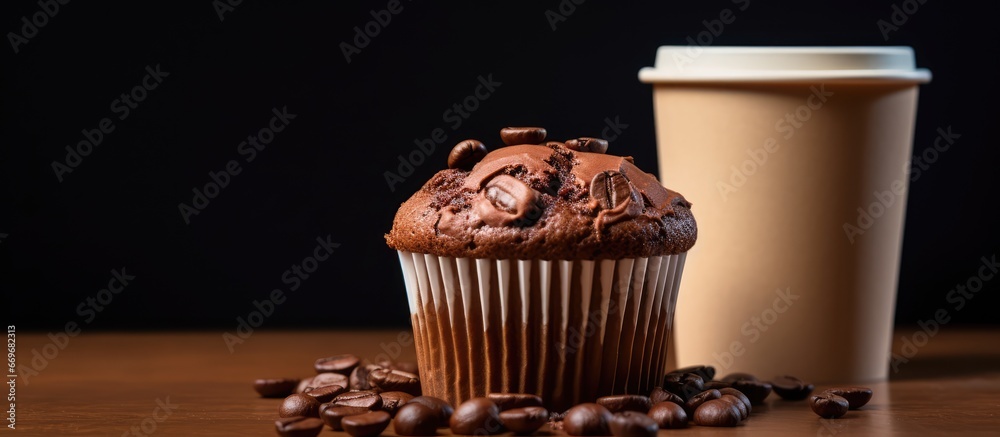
(569, 331)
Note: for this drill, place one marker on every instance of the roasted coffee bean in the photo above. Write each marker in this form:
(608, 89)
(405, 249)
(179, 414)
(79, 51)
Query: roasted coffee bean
(684, 385)
(633, 424)
(325, 393)
(476, 416)
(587, 419)
(369, 424)
(695, 401)
(405, 366)
(506, 200)
(717, 385)
(740, 405)
(620, 403)
(513, 136)
(298, 426)
(393, 400)
(610, 189)
(857, 397)
(321, 380)
(791, 388)
(509, 401)
(717, 412)
(416, 420)
(705, 372)
(739, 376)
(359, 377)
(441, 408)
(739, 395)
(363, 398)
(524, 420)
(299, 405)
(394, 380)
(332, 414)
(829, 405)
(668, 415)
(756, 391)
(342, 364)
(466, 154)
(660, 395)
(275, 388)
(588, 144)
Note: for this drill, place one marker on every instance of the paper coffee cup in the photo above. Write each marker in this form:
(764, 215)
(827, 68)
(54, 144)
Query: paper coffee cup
(795, 159)
(569, 331)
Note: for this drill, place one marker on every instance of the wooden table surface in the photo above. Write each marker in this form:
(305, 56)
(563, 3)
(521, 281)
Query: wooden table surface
(110, 383)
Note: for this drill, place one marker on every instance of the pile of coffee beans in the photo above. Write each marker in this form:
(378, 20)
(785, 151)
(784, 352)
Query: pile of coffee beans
(363, 399)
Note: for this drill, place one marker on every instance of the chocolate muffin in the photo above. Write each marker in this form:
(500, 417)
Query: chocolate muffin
(541, 267)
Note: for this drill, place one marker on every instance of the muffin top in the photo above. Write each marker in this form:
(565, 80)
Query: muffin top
(534, 199)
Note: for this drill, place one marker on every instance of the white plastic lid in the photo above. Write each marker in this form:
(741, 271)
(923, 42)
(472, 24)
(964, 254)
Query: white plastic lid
(761, 64)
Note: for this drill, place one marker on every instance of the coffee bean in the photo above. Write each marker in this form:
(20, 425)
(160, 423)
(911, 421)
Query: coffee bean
(739, 404)
(298, 426)
(325, 393)
(739, 395)
(588, 144)
(342, 364)
(299, 405)
(509, 401)
(587, 419)
(739, 376)
(668, 415)
(393, 400)
(359, 377)
(524, 420)
(513, 136)
(620, 403)
(791, 388)
(508, 201)
(322, 379)
(695, 401)
(717, 412)
(633, 424)
(369, 424)
(756, 391)
(829, 405)
(466, 154)
(718, 385)
(416, 420)
(476, 416)
(332, 414)
(405, 366)
(276, 387)
(660, 395)
(857, 397)
(704, 371)
(441, 408)
(610, 189)
(394, 380)
(684, 385)
(363, 398)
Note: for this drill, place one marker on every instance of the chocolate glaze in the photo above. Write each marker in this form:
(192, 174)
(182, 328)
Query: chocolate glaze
(545, 202)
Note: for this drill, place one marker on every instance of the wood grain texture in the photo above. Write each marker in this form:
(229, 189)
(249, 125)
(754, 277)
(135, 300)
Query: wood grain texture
(107, 383)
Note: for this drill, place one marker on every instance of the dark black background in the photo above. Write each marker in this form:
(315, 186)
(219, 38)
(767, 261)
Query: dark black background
(324, 174)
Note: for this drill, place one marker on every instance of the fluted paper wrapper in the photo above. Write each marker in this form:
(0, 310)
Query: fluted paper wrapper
(569, 331)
